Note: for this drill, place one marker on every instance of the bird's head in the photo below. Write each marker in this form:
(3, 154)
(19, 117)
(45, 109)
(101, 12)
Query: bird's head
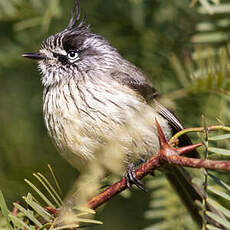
(73, 50)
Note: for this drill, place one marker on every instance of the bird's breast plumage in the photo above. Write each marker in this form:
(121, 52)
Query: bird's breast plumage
(87, 112)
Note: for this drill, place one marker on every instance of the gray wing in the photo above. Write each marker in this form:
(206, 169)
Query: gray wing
(144, 87)
(139, 82)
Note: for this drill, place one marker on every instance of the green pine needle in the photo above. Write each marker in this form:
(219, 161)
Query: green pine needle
(5, 210)
(43, 197)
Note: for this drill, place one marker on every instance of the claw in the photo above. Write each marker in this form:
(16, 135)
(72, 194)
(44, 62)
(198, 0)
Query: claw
(131, 178)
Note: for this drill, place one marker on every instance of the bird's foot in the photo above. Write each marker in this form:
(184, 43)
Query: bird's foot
(131, 178)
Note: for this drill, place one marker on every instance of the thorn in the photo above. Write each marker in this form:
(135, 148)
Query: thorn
(188, 148)
(161, 136)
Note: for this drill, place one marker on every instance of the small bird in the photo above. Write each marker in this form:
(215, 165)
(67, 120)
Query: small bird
(93, 95)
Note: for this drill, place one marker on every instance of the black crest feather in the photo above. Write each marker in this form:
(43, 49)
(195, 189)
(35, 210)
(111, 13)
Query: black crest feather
(77, 30)
(76, 14)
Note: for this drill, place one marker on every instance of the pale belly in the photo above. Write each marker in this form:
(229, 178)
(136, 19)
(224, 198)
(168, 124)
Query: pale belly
(81, 132)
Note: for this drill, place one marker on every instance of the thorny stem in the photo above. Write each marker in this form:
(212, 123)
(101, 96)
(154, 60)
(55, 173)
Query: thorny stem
(167, 154)
(198, 163)
(121, 185)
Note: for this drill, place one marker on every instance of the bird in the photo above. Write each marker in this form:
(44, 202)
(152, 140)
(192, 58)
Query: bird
(92, 95)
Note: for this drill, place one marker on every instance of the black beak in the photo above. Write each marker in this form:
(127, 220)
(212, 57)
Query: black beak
(35, 56)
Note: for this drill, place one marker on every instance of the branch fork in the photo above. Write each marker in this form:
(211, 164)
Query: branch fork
(166, 154)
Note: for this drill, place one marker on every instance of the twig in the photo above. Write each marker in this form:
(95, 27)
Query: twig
(198, 163)
(167, 154)
(121, 185)
(198, 129)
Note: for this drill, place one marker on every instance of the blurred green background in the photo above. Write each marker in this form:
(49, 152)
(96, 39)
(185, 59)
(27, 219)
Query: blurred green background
(164, 38)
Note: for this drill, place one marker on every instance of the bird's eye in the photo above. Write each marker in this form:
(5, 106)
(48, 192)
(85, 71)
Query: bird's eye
(72, 55)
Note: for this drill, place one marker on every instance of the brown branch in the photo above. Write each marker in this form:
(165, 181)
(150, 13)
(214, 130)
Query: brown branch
(198, 163)
(167, 154)
(121, 185)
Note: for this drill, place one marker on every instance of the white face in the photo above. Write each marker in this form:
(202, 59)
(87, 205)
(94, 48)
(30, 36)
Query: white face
(59, 62)
(68, 54)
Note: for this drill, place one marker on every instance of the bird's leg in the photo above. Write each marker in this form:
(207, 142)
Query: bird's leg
(131, 178)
